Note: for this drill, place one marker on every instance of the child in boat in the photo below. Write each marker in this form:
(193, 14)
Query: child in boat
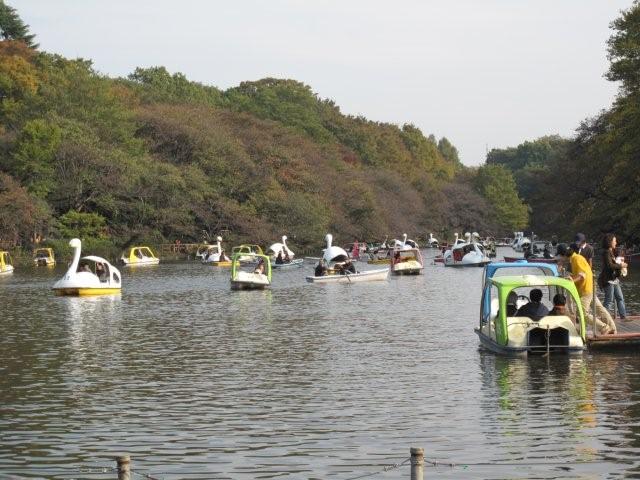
(260, 267)
(559, 305)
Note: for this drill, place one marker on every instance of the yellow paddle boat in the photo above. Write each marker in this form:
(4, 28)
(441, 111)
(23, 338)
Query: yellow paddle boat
(43, 257)
(246, 253)
(89, 275)
(138, 256)
(245, 277)
(6, 265)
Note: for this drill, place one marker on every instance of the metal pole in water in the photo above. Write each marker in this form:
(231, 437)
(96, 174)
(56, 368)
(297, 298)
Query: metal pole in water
(124, 467)
(417, 463)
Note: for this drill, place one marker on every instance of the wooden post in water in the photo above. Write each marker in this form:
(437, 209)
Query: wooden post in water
(124, 467)
(417, 463)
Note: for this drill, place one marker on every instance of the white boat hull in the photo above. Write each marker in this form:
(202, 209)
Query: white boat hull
(249, 281)
(298, 262)
(523, 339)
(7, 269)
(366, 276)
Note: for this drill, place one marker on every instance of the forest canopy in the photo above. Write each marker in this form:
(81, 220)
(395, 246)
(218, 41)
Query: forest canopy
(157, 157)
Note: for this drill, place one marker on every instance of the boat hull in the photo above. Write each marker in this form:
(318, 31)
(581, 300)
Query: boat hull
(6, 270)
(81, 292)
(490, 344)
(367, 276)
(141, 263)
(407, 268)
(532, 259)
(298, 262)
(220, 264)
(469, 264)
(240, 285)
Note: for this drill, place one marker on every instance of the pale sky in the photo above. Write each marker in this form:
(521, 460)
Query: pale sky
(483, 73)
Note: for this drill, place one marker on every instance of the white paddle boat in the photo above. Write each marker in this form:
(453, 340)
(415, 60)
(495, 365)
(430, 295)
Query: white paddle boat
(89, 275)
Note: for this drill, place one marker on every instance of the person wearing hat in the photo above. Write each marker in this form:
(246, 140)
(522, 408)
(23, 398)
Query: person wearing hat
(582, 276)
(584, 248)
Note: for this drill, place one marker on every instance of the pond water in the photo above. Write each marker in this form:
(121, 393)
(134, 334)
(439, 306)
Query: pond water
(300, 382)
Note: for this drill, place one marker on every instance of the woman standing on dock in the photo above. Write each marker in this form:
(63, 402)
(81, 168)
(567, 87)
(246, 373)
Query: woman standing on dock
(609, 278)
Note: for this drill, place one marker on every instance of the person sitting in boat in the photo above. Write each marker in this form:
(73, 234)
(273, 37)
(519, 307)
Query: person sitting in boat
(512, 303)
(287, 258)
(223, 257)
(396, 258)
(535, 310)
(84, 267)
(260, 267)
(279, 260)
(546, 253)
(527, 251)
(101, 272)
(348, 267)
(559, 305)
(321, 269)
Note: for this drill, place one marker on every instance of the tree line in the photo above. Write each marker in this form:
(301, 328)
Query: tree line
(155, 157)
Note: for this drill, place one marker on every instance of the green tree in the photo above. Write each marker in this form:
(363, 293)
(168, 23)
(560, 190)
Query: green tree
(497, 185)
(624, 49)
(12, 27)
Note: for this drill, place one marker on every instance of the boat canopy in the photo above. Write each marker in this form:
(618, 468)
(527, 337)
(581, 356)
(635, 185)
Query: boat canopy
(506, 284)
(236, 265)
(144, 251)
(533, 267)
(511, 269)
(247, 249)
(5, 258)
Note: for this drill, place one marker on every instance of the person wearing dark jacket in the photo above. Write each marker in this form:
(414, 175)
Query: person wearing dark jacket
(535, 310)
(609, 278)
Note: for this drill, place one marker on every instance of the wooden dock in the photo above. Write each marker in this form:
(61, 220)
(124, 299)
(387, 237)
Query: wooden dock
(627, 337)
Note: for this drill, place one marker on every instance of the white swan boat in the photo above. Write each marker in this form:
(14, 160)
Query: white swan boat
(466, 253)
(215, 255)
(89, 275)
(252, 274)
(432, 242)
(335, 258)
(139, 256)
(283, 248)
(520, 242)
(6, 265)
(405, 243)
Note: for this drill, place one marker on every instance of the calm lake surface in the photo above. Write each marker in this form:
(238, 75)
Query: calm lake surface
(300, 382)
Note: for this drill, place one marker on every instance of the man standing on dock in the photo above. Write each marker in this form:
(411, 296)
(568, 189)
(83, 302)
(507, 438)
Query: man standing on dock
(584, 248)
(582, 276)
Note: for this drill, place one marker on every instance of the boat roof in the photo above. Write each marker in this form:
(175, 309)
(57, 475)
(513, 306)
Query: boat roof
(491, 268)
(93, 258)
(514, 281)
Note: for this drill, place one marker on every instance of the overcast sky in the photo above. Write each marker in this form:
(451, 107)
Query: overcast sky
(483, 73)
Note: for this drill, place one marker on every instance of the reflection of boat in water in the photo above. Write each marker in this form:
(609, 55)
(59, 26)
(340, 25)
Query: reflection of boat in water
(407, 261)
(215, 255)
(335, 258)
(139, 256)
(502, 332)
(6, 265)
(245, 277)
(44, 257)
(466, 253)
(94, 276)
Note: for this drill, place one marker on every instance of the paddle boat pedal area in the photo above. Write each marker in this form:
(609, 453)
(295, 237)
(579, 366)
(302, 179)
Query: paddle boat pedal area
(252, 273)
(44, 257)
(520, 335)
(6, 265)
(89, 275)
(138, 256)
